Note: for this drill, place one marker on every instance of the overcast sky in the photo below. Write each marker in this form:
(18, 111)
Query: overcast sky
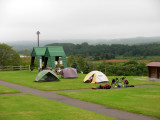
(78, 19)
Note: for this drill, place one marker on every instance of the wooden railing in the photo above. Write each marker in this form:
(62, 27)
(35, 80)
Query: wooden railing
(12, 68)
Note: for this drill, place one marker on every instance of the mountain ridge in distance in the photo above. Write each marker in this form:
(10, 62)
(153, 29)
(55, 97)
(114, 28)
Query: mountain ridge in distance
(20, 45)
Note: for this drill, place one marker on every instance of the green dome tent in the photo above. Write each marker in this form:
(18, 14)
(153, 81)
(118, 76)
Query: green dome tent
(46, 75)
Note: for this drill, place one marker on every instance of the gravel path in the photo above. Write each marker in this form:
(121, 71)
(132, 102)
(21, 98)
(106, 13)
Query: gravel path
(119, 114)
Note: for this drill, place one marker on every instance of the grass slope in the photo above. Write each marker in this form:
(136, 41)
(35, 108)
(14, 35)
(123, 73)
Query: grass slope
(6, 90)
(139, 100)
(30, 107)
(26, 78)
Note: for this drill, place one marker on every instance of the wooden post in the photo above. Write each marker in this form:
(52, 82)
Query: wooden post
(38, 37)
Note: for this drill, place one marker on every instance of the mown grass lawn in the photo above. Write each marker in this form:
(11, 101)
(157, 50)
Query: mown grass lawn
(26, 78)
(30, 107)
(6, 90)
(139, 100)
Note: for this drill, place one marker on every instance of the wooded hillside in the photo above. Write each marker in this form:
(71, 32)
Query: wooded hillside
(109, 51)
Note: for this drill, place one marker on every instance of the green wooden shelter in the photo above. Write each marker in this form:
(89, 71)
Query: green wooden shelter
(38, 53)
(53, 53)
(48, 54)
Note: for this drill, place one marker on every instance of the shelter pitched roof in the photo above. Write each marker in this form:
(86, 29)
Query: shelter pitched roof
(153, 64)
(55, 51)
(38, 51)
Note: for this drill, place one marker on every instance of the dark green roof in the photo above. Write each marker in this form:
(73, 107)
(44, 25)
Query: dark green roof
(38, 51)
(55, 51)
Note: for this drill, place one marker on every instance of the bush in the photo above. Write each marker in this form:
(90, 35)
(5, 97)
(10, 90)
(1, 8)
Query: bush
(8, 56)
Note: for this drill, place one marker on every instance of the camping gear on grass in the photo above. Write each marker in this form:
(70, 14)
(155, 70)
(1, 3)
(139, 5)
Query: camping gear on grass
(106, 86)
(130, 86)
(100, 87)
(95, 77)
(126, 83)
(69, 73)
(113, 82)
(46, 75)
(117, 81)
(120, 85)
(94, 87)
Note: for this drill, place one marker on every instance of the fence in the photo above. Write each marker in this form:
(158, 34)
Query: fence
(12, 68)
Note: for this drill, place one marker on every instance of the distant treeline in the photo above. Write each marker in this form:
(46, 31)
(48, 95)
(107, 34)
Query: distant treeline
(104, 51)
(131, 68)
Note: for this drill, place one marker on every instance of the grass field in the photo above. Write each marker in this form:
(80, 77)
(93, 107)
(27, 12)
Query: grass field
(139, 100)
(26, 78)
(6, 90)
(30, 107)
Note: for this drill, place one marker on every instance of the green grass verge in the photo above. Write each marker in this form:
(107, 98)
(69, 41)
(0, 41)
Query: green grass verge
(138, 100)
(6, 90)
(30, 107)
(26, 78)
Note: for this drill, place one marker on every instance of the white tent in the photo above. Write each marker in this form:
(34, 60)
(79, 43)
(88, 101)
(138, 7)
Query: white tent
(95, 77)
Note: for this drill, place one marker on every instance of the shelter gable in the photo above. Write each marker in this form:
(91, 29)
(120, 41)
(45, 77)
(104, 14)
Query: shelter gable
(47, 54)
(38, 51)
(56, 51)
(33, 52)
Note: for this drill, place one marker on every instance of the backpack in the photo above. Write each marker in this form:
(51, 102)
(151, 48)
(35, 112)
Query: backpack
(126, 82)
(113, 81)
(106, 86)
(100, 87)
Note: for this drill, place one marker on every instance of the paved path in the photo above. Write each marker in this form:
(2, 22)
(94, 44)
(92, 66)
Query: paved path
(119, 114)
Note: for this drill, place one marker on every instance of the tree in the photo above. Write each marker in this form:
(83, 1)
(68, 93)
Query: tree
(8, 56)
(76, 66)
(81, 62)
(70, 60)
(26, 59)
(26, 52)
(86, 68)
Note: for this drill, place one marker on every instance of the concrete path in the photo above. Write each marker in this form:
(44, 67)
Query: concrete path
(119, 114)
